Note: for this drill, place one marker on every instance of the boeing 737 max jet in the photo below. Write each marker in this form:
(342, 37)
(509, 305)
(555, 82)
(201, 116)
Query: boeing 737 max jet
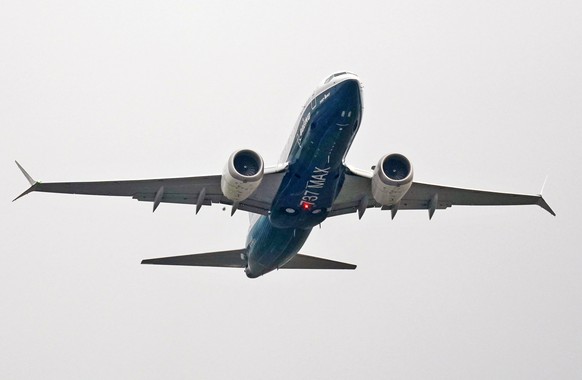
(310, 183)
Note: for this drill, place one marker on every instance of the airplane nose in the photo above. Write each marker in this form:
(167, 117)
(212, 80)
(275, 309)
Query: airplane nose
(349, 88)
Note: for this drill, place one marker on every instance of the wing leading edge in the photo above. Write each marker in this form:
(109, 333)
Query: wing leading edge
(422, 196)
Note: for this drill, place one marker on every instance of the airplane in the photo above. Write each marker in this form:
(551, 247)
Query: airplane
(310, 183)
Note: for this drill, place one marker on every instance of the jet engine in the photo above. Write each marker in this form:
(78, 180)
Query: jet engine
(242, 175)
(391, 180)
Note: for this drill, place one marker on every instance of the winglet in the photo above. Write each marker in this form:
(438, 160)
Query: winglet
(541, 201)
(28, 177)
(543, 186)
(32, 182)
(543, 204)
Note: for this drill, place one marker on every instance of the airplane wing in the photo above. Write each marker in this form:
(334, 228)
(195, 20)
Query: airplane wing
(356, 195)
(199, 191)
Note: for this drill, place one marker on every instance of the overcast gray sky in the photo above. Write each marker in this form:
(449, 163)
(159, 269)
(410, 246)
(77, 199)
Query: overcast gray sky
(482, 94)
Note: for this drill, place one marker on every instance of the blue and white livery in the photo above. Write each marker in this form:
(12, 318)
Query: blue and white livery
(310, 183)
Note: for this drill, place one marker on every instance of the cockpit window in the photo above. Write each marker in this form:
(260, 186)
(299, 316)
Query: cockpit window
(329, 78)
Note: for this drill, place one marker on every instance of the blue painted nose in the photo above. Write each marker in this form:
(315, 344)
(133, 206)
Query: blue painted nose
(348, 96)
(349, 84)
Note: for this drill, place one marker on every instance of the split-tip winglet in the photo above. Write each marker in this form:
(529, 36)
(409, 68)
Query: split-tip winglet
(543, 204)
(29, 179)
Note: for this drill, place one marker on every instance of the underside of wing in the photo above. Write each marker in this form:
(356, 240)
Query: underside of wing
(421, 194)
(199, 191)
(356, 194)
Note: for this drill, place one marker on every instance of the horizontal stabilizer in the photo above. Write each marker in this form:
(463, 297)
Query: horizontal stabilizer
(229, 259)
(310, 262)
(233, 259)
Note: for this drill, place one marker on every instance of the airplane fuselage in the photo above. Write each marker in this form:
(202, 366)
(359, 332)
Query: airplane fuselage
(315, 153)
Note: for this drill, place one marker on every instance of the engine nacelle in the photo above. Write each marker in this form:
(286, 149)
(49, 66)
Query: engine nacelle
(242, 175)
(391, 180)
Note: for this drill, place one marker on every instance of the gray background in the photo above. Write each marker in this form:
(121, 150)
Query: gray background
(483, 94)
